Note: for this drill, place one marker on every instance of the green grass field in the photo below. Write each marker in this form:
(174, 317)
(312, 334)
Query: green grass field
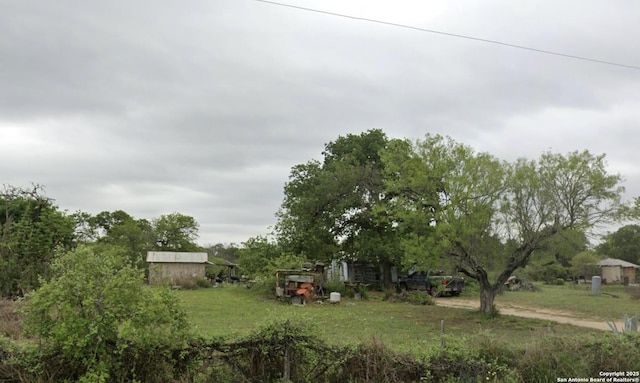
(235, 310)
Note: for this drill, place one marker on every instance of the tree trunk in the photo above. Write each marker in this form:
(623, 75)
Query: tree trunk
(386, 274)
(487, 297)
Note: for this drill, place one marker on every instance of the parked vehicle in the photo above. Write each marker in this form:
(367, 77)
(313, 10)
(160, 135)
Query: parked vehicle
(434, 282)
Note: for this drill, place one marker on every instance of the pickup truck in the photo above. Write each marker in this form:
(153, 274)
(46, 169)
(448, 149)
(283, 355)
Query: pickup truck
(433, 282)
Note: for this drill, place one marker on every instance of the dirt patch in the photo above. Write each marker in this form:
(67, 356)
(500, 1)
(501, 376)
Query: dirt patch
(530, 312)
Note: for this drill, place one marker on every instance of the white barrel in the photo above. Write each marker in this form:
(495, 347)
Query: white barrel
(334, 297)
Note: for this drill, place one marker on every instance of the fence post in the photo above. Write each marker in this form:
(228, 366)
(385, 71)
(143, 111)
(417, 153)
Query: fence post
(287, 362)
(442, 333)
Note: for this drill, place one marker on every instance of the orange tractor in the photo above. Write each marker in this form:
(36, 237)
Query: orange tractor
(301, 286)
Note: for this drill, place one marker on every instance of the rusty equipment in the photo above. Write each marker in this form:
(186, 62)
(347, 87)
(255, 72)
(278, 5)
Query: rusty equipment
(301, 286)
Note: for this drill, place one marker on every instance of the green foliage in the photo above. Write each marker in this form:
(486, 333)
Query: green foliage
(255, 255)
(454, 191)
(336, 209)
(268, 272)
(95, 313)
(554, 356)
(10, 319)
(171, 232)
(548, 273)
(335, 285)
(584, 264)
(561, 247)
(469, 199)
(31, 230)
(287, 351)
(413, 297)
(175, 232)
(476, 348)
(623, 244)
(284, 261)
(261, 356)
(203, 282)
(119, 229)
(228, 252)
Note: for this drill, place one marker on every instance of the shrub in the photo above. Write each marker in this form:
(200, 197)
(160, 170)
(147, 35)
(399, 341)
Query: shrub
(266, 354)
(549, 358)
(281, 350)
(335, 285)
(546, 273)
(374, 362)
(611, 352)
(555, 356)
(420, 298)
(98, 322)
(473, 359)
(203, 283)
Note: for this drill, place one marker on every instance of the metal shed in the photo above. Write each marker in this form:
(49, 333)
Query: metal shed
(169, 266)
(618, 271)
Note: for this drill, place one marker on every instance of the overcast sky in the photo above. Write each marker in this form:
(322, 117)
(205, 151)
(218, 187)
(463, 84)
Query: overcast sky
(203, 107)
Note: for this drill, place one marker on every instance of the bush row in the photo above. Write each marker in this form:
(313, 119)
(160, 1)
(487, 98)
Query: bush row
(287, 351)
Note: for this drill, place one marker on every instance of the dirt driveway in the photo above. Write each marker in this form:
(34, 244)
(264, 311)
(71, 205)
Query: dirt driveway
(530, 312)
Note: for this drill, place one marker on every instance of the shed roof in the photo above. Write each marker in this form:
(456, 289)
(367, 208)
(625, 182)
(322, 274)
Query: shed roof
(616, 262)
(175, 257)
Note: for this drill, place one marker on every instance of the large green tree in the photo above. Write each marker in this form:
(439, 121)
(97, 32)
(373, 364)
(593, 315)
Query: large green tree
(332, 209)
(525, 203)
(31, 230)
(175, 232)
(118, 228)
(623, 243)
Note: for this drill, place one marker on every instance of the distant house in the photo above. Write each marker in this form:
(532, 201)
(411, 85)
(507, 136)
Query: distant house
(168, 266)
(618, 271)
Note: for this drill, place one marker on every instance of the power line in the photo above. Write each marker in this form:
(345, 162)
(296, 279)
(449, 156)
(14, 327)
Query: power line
(451, 35)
